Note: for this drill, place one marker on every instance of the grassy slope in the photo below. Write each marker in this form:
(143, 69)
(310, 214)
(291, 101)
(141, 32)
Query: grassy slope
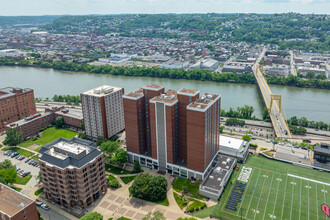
(24, 180)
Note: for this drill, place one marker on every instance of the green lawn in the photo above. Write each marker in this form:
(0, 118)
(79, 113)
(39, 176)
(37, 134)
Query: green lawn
(39, 191)
(16, 188)
(22, 180)
(19, 150)
(49, 135)
(193, 187)
(204, 213)
(275, 190)
(179, 201)
(123, 218)
(116, 170)
(127, 179)
(35, 157)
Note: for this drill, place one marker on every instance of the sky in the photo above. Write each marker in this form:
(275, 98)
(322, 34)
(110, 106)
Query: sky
(82, 7)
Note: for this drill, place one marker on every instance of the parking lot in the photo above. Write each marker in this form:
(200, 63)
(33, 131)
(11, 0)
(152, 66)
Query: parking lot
(24, 166)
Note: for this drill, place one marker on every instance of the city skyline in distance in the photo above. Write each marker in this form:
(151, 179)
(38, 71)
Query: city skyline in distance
(83, 7)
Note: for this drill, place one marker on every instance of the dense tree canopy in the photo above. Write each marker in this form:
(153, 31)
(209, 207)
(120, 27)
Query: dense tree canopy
(13, 138)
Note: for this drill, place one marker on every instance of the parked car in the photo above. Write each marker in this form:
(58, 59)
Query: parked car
(305, 148)
(268, 141)
(39, 203)
(27, 160)
(22, 158)
(281, 143)
(15, 154)
(45, 207)
(296, 146)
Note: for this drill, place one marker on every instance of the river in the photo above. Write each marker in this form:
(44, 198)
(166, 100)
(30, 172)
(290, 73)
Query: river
(311, 103)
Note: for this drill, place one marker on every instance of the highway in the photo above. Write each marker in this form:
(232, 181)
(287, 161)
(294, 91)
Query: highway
(279, 124)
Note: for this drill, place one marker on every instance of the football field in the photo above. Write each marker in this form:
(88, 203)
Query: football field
(268, 189)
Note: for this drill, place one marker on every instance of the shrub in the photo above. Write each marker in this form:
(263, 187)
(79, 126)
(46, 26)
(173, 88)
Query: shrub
(114, 183)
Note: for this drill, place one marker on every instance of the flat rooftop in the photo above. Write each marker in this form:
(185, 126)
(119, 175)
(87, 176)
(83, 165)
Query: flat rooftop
(230, 142)
(169, 97)
(10, 91)
(153, 86)
(204, 101)
(218, 176)
(74, 152)
(135, 94)
(102, 90)
(12, 201)
(188, 91)
(71, 113)
(29, 119)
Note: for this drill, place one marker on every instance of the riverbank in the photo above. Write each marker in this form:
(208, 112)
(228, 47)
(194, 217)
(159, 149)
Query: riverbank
(156, 72)
(311, 103)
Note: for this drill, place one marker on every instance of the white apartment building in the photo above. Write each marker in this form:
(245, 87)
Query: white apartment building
(103, 111)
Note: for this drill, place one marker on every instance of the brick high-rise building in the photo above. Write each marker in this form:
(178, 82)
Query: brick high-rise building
(203, 130)
(72, 172)
(173, 143)
(15, 205)
(15, 103)
(103, 111)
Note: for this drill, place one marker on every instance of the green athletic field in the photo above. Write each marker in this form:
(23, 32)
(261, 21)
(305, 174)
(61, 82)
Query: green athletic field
(273, 193)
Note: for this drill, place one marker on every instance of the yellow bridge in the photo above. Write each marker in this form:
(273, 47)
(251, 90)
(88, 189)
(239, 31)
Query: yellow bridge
(279, 123)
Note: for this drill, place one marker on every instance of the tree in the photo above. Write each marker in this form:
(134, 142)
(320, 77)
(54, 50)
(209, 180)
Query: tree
(6, 164)
(119, 157)
(310, 74)
(246, 138)
(8, 175)
(137, 167)
(321, 76)
(92, 216)
(114, 183)
(109, 147)
(140, 186)
(59, 122)
(221, 128)
(13, 138)
(154, 216)
(100, 140)
(81, 135)
(82, 124)
(157, 188)
(265, 114)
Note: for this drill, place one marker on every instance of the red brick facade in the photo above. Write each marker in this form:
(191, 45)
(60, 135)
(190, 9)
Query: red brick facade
(15, 103)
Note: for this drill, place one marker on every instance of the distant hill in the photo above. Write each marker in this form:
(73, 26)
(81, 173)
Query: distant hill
(14, 21)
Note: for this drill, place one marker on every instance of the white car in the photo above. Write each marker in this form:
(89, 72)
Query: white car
(45, 207)
(281, 143)
(268, 141)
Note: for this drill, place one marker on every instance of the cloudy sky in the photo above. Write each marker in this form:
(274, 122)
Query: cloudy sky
(74, 7)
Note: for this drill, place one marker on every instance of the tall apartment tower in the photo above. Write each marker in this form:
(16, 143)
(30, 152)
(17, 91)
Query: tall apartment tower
(183, 130)
(15, 103)
(137, 118)
(203, 131)
(103, 111)
(72, 172)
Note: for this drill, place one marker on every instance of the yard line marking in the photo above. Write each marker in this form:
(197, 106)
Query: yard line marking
(293, 188)
(252, 195)
(270, 188)
(278, 186)
(315, 181)
(308, 199)
(286, 182)
(316, 203)
(299, 199)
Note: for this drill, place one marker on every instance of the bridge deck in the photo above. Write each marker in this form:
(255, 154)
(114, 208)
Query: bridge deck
(277, 119)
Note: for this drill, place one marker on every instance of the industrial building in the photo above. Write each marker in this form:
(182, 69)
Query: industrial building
(175, 132)
(103, 111)
(72, 172)
(205, 64)
(15, 103)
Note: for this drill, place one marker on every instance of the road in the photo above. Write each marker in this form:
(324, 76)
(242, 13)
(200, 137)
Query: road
(276, 117)
(292, 64)
(51, 214)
